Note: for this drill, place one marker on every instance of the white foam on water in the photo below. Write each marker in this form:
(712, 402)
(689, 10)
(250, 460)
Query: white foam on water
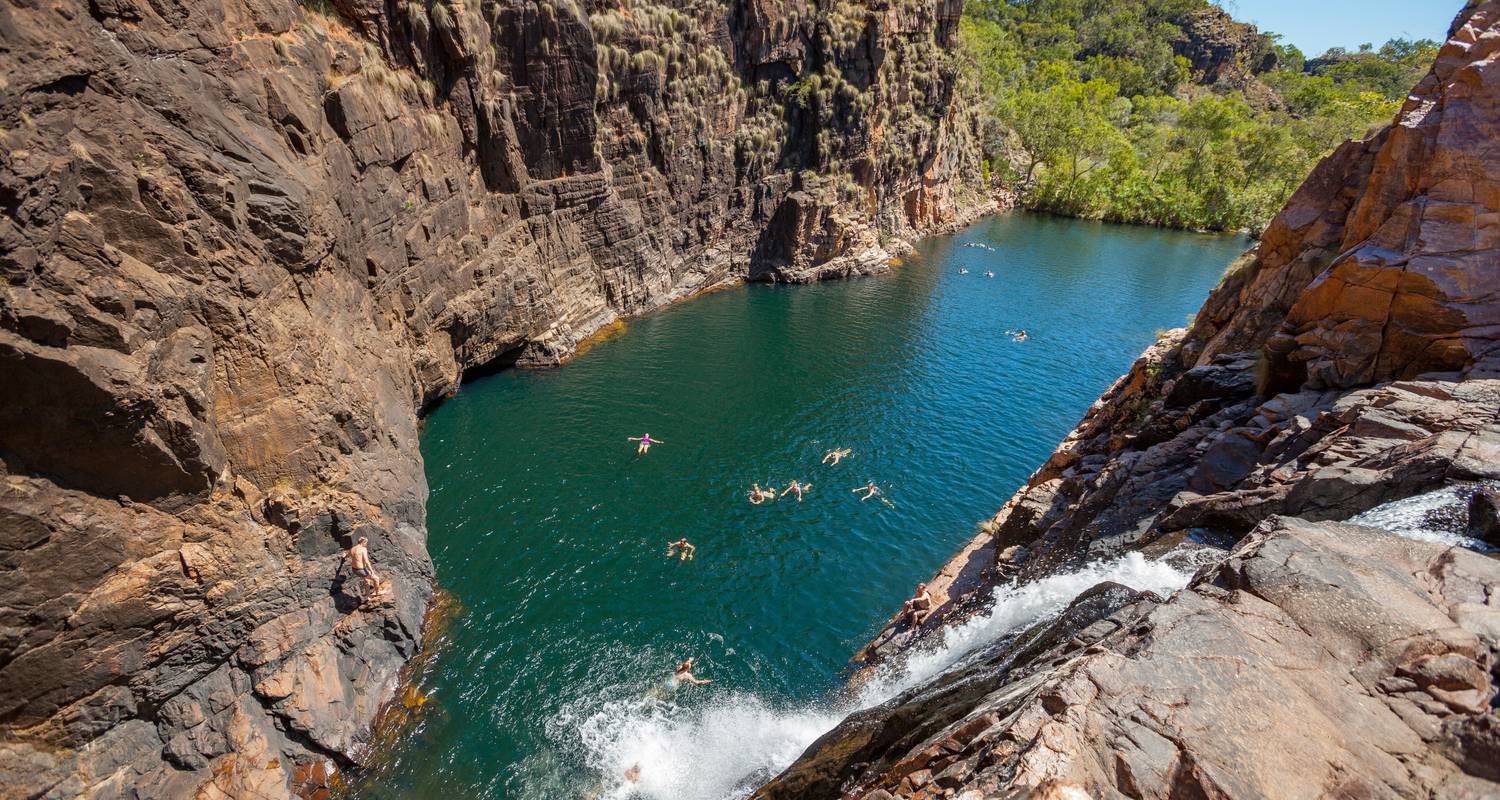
(1017, 606)
(735, 741)
(1437, 516)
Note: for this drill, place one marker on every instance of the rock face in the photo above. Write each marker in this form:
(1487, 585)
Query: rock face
(1320, 660)
(1221, 50)
(1352, 358)
(244, 243)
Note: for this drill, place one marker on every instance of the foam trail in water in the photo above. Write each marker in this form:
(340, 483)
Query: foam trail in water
(724, 749)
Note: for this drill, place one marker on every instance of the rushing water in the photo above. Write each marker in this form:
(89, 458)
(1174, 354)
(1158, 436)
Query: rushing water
(550, 531)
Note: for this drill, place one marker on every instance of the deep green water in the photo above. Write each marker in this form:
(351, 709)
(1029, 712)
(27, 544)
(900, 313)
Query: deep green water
(550, 531)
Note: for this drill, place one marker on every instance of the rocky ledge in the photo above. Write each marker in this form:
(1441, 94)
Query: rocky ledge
(1318, 660)
(1351, 359)
(244, 243)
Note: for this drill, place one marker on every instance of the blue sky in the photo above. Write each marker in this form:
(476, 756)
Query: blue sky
(1316, 25)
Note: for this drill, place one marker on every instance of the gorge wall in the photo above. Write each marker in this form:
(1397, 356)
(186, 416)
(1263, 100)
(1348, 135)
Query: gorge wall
(1352, 358)
(243, 245)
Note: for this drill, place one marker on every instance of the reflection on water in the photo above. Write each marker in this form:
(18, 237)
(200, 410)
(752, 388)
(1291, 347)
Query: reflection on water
(551, 531)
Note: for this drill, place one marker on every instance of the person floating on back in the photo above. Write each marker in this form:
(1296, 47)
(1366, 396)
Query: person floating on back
(359, 560)
(759, 495)
(681, 548)
(684, 674)
(870, 490)
(833, 456)
(797, 488)
(645, 443)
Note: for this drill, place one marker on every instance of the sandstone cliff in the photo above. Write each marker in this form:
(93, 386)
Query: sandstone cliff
(1352, 358)
(245, 242)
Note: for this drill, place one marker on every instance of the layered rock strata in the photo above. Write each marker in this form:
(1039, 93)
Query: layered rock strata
(1351, 358)
(244, 243)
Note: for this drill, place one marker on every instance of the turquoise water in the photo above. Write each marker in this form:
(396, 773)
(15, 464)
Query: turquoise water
(550, 531)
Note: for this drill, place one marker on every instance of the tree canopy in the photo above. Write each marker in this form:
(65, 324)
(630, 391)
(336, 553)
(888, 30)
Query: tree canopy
(1094, 113)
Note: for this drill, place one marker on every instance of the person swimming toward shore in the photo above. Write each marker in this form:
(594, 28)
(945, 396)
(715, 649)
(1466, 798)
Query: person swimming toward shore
(835, 455)
(759, 495)
(870, 490)
(796, 487)
(645, 443)
(681, 548)
(684, 675)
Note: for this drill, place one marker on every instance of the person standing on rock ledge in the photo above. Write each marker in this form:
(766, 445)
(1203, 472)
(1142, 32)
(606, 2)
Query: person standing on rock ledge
(359, 561)
(645, 443)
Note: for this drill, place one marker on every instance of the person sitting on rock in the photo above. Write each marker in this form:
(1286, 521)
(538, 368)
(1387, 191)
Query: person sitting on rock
(645, 443)
(681, 548)
(919, 607)
(359, 561)
(797, 488)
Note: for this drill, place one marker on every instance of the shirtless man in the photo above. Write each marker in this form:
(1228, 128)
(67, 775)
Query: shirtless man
(919, 607)
(870, 490)
(681, 548)
(834, 456)
(359, 561)
(797, 488)
(684, 675)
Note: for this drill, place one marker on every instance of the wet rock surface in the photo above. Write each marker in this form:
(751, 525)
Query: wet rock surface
(1319, 660)
(244, 243)
(1349, 360)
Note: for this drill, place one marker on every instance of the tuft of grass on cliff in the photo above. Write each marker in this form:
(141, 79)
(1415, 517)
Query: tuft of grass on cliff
(1166, 112)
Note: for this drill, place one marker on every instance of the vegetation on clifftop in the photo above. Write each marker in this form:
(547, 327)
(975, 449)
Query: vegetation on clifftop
(1097, 111)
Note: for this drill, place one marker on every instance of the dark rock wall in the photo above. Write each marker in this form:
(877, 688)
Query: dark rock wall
(243, 243)
(1351, 358)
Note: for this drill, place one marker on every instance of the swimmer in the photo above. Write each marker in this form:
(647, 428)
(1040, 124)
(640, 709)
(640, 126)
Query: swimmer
(962, 271)
(870, 490)
(634, 773)
(681, 548)
(684, 674)
(835, 455)
(645, 443)
(759, 495)
(989, 274)
(796, 487)
(1020, 335)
